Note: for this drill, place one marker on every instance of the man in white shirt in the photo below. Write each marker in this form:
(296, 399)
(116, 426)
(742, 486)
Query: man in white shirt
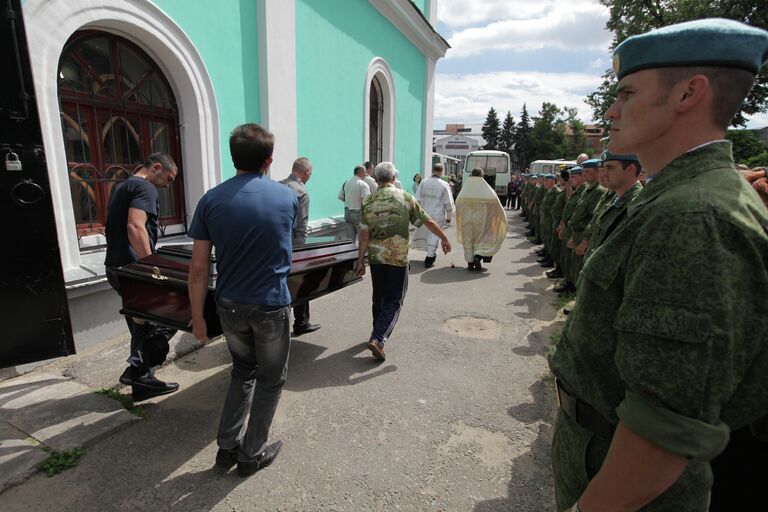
(434, 195)
(369, 178)
(352, 193)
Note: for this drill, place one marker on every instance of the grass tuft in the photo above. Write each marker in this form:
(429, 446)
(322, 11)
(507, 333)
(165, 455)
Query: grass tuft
(126, 400)
(562, 300)
(61, 461)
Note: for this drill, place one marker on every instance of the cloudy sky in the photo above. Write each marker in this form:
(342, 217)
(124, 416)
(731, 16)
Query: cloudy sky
(508, 52)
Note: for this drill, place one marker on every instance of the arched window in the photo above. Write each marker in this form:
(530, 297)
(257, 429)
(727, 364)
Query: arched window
(379, 113)
(116, 109)
(376, 121)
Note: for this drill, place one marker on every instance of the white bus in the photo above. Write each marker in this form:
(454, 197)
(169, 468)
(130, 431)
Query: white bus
(452, 166)
(495, 166)
(550, 166)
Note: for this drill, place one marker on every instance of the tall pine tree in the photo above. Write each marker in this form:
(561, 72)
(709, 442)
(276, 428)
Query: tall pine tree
(548, 133)
(522, 139)
(491, 130)
(507, 138)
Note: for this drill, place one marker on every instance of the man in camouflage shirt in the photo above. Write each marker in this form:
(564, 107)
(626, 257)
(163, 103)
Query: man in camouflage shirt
(665, 351)
(386, 216)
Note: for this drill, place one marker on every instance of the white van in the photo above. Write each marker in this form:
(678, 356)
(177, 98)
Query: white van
(550, 166)
(495, 166)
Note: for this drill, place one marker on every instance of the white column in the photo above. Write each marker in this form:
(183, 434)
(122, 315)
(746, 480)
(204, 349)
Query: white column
(277, 80)
(432, 17)
(429, 111)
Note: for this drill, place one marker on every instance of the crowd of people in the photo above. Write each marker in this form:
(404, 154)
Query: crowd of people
(664, 357)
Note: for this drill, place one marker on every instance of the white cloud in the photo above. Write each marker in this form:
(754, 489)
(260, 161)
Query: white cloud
(467, 98)
(572, 26)
(463, 13)
(757, 121)
(598, 64)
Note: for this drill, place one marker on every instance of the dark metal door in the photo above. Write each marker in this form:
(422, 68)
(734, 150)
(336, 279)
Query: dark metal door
(34, 314)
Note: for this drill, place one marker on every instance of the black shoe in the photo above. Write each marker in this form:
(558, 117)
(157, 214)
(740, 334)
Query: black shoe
(530, 232)
(471, 266)
(541, 252)
(543, 259)
(429, 261)
(562, 287)
(146, 382)
(298, 330)
(567, 311)
(225, 459)
(548, 264)
(140, 394)
(555, 274)
(262, 460)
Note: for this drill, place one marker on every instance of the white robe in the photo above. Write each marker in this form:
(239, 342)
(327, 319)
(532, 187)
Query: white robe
(434, 195)
(480, 219)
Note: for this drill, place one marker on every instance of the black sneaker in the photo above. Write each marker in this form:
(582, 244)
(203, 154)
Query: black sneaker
(429, 261)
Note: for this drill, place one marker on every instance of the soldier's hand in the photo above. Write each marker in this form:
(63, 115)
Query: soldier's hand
(570, 243)
(582, 248)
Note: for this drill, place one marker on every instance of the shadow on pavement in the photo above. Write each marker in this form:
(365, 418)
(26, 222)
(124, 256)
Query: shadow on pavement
(307, 370)
(454, 275)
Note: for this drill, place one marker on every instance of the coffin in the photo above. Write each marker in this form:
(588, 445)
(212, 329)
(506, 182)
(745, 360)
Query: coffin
(155, 288)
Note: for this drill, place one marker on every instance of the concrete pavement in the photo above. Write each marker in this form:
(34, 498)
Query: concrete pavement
(458, 417)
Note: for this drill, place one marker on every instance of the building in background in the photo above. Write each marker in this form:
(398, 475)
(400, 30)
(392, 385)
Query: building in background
(338, 81)
(457, 140)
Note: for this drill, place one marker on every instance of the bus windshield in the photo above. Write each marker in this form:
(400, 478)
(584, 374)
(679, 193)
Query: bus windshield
(496, 164)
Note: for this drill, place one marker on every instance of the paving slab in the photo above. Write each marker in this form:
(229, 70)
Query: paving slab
(58, 412)
(20, 457)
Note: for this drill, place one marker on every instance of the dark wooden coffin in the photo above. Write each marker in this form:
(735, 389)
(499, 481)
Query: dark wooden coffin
(155, 288)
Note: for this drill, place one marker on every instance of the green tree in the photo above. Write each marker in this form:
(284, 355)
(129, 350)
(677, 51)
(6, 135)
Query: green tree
(507, 137)
(748, 148)
(491, 130)
(577, 142)
(548, 133)
(632, 17)
(522, 139)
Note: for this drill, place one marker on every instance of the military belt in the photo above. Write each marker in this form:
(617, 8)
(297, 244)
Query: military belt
(583, 413)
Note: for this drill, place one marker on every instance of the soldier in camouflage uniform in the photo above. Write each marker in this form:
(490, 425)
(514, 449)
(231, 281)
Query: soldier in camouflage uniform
(538, 195)
(602, 205)
(582, 216)
(556, 213)
(545, 220)
(564, 231)
(621, 174)
(666, 349)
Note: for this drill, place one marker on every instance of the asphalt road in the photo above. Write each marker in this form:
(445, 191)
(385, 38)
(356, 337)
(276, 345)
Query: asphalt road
(457, 419)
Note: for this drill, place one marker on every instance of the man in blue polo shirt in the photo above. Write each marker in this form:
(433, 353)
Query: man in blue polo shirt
(249, 219)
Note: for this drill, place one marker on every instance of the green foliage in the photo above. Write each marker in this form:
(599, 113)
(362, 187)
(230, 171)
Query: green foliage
(577, 143)
(507, 138)
(548, 133)
(522, 139)
(492, 130)
(61, 461)
(632, 17)
(748, 148)
(126, 400)
(562, 300)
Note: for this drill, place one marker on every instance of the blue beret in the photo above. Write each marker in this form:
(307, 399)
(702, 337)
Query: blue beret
(534, 176)
(549, 177)
(607, 155)
(594, 162)
(708, 42)
(575, 170)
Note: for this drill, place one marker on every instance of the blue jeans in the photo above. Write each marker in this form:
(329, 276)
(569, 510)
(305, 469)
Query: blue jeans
(390, 284)
(258, 338)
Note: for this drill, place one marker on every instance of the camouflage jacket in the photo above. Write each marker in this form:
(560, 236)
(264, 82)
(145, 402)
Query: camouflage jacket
(569, 208)
(602, 205)
(556, 207)
(386, 215)
(585, 209)
(611, 216)
(668, 334)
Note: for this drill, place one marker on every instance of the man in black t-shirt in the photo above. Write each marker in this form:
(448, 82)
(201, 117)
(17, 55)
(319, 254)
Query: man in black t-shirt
(131, 231)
